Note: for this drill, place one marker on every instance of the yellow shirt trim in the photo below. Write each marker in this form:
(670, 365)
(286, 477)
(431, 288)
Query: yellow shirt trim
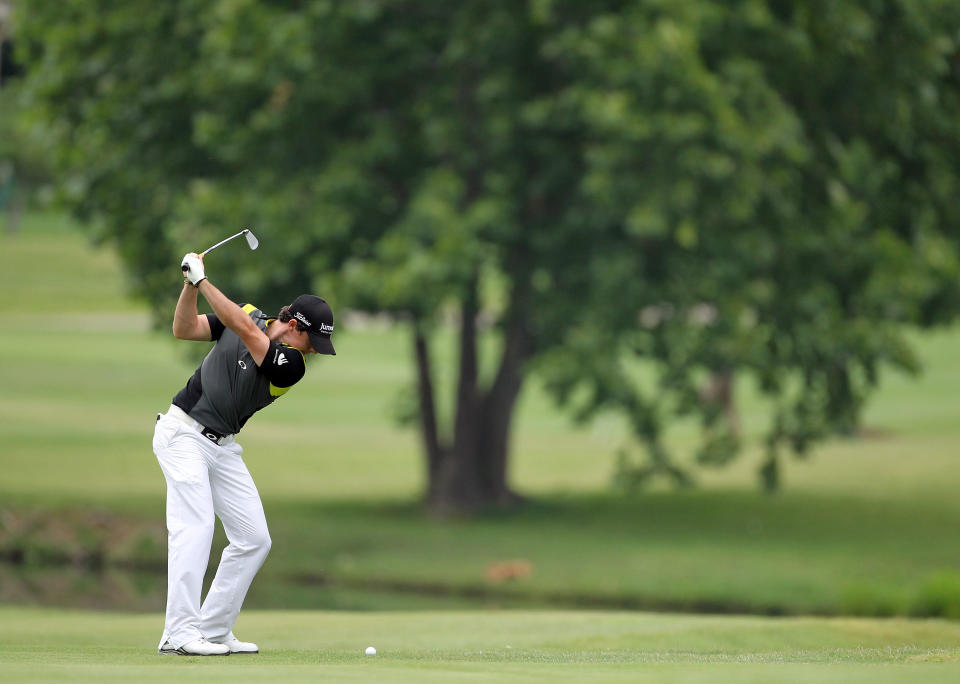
(278, 391)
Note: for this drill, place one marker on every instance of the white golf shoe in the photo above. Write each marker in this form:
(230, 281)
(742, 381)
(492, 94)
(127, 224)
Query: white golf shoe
(197, 647)
(237, 646)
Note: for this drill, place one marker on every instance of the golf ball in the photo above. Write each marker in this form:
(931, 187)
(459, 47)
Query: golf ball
(371, 650)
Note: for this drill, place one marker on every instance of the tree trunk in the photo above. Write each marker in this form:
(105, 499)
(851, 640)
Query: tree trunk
(720, 390)
(496, 416)
(428, 410)
(457, 487)
(473, 473)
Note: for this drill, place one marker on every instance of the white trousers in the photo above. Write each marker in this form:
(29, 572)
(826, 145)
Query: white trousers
(203, 480)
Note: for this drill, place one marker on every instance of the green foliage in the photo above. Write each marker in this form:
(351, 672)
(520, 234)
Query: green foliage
(939, 596)
(764, 186)
(761, 188)
(24, 169)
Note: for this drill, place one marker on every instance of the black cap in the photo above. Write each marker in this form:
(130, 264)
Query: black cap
(317, 316)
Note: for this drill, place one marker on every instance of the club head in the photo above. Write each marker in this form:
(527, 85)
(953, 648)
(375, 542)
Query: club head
(251, 238)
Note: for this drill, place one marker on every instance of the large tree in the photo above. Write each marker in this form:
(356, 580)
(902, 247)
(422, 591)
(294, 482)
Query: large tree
(756, 188)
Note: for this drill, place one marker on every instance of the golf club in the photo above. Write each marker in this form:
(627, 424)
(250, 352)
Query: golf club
(251, 240)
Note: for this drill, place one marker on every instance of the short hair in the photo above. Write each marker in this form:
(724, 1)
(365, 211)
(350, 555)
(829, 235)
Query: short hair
(285, 316)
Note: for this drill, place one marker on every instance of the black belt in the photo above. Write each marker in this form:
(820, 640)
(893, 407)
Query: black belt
(211, 434)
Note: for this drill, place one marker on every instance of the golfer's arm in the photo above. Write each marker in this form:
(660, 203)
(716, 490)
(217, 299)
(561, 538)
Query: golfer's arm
(232, 316)
(187, 324)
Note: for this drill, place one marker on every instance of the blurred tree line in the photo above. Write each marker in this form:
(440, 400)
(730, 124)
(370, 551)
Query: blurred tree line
(9, 148)
(760, 189)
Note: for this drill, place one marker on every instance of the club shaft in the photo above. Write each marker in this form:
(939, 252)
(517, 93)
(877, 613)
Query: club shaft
(210, 249)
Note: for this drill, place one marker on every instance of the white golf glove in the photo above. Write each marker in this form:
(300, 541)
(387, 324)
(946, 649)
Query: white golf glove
(192, 266)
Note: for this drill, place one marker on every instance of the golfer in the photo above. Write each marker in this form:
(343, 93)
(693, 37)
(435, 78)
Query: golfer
(255, 360)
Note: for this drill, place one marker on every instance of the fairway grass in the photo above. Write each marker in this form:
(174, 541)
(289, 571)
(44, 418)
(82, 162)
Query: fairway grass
(39, 645)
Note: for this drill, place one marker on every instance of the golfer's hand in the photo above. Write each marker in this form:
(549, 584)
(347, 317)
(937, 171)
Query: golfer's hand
(192, 266)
